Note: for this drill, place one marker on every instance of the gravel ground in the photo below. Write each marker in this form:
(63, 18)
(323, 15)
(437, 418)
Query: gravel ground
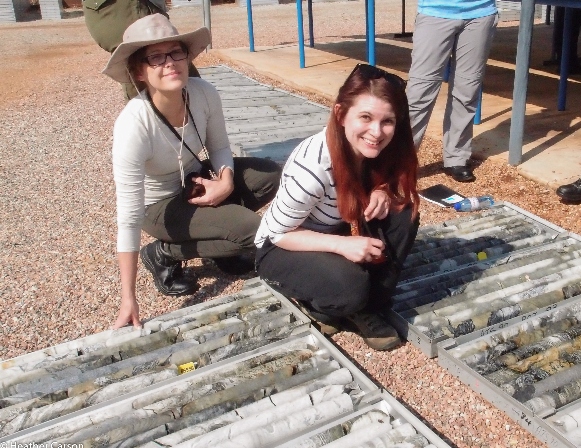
(58, 272)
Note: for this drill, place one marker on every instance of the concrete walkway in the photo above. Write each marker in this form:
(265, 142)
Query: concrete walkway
(552, 143)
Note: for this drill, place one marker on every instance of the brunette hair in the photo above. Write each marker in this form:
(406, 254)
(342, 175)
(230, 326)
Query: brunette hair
(394, 170)
(134, 66)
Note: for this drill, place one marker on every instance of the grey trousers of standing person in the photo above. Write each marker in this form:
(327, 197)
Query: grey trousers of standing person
(222, 231)
(435, 40)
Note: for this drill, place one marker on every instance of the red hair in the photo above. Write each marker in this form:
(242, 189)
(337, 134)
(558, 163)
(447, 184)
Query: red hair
(394, 170)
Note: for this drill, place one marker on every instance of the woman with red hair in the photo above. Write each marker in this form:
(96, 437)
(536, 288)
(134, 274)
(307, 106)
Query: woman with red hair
(336, 235)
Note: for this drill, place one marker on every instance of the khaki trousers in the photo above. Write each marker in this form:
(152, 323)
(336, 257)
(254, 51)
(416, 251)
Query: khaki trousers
(222, 231)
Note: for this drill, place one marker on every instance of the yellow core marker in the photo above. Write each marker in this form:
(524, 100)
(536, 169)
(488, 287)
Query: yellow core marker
(481, 256)
(187, 367)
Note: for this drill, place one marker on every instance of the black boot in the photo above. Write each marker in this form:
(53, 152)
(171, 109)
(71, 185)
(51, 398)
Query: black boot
(570, 192)
(167, 271)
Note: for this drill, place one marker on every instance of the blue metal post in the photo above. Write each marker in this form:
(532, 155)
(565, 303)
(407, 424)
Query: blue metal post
(250, 25)
(367, 29)
(301, 34)
(311, 33)
(565, 51)
(371, 37)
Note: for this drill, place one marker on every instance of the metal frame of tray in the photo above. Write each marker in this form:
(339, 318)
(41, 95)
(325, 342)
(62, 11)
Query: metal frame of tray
(305, 337)
(525, 417)
(429, 345)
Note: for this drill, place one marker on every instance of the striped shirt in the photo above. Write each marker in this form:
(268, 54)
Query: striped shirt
(306, 197)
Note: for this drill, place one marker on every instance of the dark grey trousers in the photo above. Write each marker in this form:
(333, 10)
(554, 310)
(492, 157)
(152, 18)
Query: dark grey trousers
(332, 285)
(222, 231)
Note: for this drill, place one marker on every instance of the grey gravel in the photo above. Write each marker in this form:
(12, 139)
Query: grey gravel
(58, 272)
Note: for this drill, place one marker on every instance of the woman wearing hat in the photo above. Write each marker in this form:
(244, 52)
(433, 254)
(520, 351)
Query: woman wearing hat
(158, 140)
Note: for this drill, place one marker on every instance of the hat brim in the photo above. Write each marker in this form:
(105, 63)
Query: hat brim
(196, 42)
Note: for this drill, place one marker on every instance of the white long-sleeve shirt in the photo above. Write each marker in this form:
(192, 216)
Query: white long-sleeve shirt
(306, 197)
(145, 155)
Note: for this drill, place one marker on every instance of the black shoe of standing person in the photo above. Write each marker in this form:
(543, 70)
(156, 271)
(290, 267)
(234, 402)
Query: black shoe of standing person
(167, 271)
(460, 173)
(570, 192)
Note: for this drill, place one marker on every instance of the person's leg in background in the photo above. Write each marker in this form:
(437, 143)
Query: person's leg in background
(433, 41)
(470, 55)
(558, 23)
(574, 65)
(557, 47)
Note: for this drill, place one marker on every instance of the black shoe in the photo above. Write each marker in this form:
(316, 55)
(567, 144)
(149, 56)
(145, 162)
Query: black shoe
(375, 331)
(236, 265)
(460, 173)
(570, 192)
(167, 271)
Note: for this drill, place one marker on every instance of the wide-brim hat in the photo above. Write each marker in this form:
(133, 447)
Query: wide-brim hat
(150, 30)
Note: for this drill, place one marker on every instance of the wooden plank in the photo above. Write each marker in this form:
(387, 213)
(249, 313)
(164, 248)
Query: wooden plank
(234, 113)
(231, 82)
(277, 151)
(248, 88)
(269, 100)
(215, 69)
(7, 13)
(271, 123)
(224, 75)
(51, 9)
(261, 120)
(233, 94)
(269, 135)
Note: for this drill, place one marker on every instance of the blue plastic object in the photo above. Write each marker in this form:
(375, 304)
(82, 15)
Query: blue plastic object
(472, 204)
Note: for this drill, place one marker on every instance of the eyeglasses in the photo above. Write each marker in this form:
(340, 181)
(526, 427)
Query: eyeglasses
(155, 60)
(372, 72)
